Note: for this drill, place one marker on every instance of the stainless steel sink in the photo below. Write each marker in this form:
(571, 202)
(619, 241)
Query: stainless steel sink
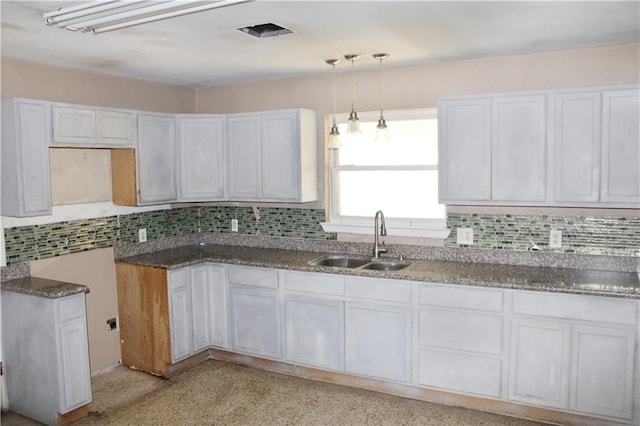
(340, 261)
(382, 265)
(353, 262)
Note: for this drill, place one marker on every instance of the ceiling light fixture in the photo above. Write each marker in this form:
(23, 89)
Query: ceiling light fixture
(382, 132)
(353, 125)
(102, 16)
(334, 134)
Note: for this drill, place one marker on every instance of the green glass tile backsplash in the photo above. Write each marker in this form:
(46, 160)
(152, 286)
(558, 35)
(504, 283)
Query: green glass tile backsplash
(619, 236)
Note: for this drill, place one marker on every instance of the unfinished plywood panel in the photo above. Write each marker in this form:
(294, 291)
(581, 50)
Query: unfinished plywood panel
(123, 177)
(143, 308)
(80, 175)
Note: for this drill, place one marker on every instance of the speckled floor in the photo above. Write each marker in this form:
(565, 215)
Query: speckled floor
(219, 393)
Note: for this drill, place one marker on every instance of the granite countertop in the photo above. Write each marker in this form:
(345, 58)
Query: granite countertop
(43, 287)
(563, 280)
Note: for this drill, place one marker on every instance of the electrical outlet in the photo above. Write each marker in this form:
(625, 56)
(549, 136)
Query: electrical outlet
(555, 239)
(142, 235)
(112, 324)
(464, 236)
(234, 225)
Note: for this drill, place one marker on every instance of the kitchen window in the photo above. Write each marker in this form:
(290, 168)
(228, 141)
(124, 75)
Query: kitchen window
(399, 177)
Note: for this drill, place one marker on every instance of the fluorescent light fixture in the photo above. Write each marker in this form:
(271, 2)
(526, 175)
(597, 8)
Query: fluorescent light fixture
(109, 15)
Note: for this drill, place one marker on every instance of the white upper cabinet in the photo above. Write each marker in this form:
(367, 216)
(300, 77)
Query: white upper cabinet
(621, 147)
(272, 156)
(577, 147)
(156, 158)
(243, 153)
(465, 158)
(26, 135)
(574, 148)
(89, 127)
(518, 146)
(201, 140)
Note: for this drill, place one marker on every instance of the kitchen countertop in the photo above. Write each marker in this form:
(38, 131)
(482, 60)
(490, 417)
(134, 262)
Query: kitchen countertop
(43, 287)
(563, 280)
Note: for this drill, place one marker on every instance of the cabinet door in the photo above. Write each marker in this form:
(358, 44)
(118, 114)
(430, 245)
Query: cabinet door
(315, 332)
(255, 322)
(155, 155)
(539, 368)
(180, 314)
(200, 282)
(378, 341)
(202, 162)
(280, 156)
(115, 128)
(518, 150)
(602, 371)
(621, 147)
(26, 134)
(465, 150)
(244, 172)
(577, 135)
(75, 376)
(74, 126)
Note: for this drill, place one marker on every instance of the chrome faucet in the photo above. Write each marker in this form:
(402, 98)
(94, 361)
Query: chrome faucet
(377, 232)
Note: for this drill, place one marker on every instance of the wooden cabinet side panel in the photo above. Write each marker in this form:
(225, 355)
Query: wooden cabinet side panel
(123, 177)
(143, 307)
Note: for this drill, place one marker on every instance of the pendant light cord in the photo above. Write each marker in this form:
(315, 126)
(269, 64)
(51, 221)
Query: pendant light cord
(381, 98)
(353, 85)
(334, 93)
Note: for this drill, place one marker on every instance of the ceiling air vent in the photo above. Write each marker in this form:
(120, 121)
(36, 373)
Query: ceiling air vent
(265, 30)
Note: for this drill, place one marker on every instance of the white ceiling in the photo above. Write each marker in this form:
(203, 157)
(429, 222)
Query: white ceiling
(205, 49)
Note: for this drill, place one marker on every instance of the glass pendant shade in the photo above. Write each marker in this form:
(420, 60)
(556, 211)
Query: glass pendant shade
(335, 141)
(353, 124)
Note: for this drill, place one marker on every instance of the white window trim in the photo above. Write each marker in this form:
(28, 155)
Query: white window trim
(434, 228)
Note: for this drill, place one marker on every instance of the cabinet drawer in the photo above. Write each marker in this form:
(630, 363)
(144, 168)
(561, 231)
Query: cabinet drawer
(314, 283)
(459, 372)
(458, 330)
(464, 298)
(257, 277)
(378, 289)
(586, 308)
(70, 307)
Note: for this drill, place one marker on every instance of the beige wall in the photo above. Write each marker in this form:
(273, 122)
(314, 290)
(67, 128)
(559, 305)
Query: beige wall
(26, 79)
(420, 86)
(96, 270)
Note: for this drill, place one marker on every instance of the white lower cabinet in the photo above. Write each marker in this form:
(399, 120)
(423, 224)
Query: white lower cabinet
(315, 331)
(578, 354)
(197, 306)
(255, 321)
(46, 355)
(602, 371)
(378, 341)
(539, 363)
(461, 339)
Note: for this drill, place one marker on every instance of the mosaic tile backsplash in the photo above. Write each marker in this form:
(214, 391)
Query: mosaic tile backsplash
(606, 235)
(618, 236)
(34, 242)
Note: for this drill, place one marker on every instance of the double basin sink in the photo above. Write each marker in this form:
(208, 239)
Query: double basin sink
(353, 262)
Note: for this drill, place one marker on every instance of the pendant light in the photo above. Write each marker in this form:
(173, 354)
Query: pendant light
(334, 134)
(382, 132)
(353, 125)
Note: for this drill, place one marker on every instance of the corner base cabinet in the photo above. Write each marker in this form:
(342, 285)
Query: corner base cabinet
(167, 316)
(46, 355)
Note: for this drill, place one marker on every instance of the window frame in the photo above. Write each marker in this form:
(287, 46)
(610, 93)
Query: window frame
(429, 228)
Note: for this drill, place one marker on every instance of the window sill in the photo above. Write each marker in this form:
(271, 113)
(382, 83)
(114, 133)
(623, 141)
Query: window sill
(342, 228)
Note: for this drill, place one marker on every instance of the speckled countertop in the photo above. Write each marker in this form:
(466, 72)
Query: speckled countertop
(42, 287)
(564, 280)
